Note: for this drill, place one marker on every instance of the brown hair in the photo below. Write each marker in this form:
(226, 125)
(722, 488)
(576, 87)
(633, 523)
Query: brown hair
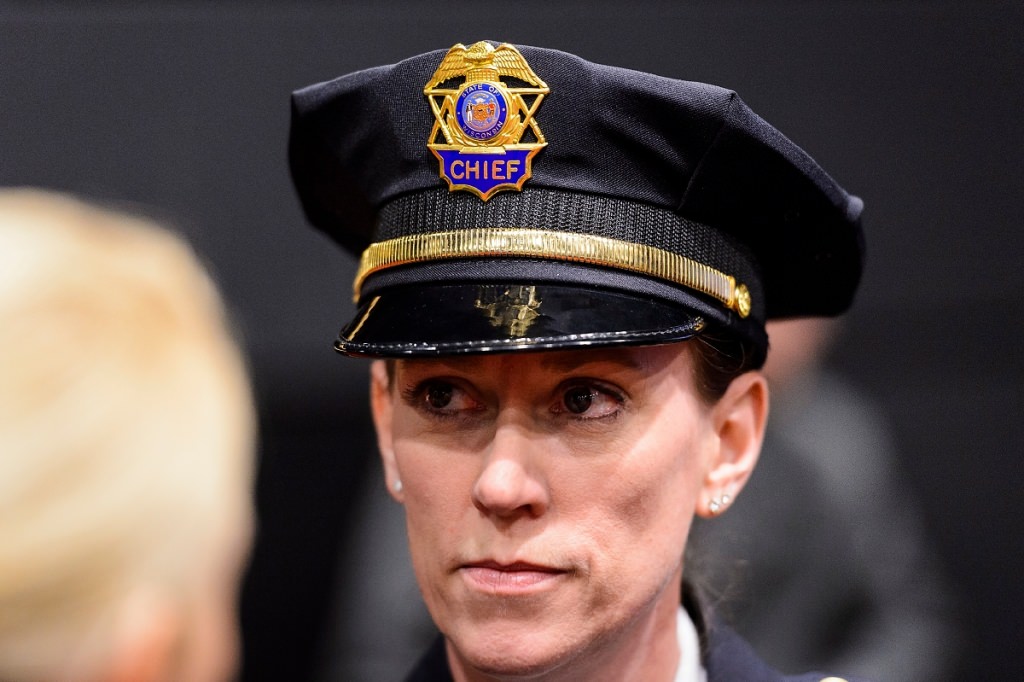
(718, 359)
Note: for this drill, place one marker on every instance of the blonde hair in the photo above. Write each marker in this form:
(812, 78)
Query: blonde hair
(126, 423)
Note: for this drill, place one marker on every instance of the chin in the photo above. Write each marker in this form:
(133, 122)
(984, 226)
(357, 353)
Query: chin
(523, 651)
(515, 662)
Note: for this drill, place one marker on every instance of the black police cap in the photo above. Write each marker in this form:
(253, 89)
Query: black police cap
(513, 198)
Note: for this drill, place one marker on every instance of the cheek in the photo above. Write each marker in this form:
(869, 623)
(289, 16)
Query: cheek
(436, 485)
(212, 649)
(651, 492)
(436, 481)
(219, 646)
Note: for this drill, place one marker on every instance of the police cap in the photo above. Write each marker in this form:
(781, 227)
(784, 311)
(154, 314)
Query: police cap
(508, 198)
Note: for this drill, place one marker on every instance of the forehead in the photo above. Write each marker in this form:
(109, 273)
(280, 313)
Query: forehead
(636, 360)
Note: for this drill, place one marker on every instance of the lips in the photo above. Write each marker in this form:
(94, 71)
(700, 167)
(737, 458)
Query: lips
(510, 579)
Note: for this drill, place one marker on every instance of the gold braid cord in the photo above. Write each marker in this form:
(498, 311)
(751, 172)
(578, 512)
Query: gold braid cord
(564, 246)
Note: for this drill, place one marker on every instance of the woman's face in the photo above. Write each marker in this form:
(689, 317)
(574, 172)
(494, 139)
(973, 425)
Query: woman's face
(548, 495)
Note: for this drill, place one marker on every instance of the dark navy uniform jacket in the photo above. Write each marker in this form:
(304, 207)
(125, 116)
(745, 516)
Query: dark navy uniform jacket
(728, 659)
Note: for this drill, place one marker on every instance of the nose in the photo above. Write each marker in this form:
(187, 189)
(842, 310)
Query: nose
(511, 484)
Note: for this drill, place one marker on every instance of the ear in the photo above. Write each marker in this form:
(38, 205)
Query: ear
(147, 632)
(382, 407)
(738, 420)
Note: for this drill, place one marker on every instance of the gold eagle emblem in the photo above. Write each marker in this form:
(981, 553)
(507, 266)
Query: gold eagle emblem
(483, 61)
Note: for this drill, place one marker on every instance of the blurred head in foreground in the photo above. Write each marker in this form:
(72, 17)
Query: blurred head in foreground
(126, 439)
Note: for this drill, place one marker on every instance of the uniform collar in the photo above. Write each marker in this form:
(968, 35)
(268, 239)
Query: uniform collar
(690, 667)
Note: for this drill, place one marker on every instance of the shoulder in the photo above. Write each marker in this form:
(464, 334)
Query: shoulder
(729, 658)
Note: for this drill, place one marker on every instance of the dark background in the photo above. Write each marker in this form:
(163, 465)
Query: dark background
(180, 110)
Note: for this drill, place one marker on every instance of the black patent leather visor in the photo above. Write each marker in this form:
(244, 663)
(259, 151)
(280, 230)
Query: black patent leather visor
(464, 318)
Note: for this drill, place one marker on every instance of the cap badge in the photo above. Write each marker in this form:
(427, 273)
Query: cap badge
(512, 309)
(485, 135)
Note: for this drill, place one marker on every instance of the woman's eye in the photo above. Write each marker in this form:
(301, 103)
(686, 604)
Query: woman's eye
(578, 400)
(441, 398)
(589, 402)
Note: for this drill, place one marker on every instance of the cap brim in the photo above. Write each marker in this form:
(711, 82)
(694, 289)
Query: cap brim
(464, 318)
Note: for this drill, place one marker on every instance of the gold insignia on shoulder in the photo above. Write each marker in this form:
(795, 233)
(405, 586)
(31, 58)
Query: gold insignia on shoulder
(485, 135)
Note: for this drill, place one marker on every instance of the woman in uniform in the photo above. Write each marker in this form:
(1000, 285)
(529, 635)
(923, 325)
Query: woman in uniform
(565, 273)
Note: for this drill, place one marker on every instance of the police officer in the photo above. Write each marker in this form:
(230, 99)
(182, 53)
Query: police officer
(566, 269)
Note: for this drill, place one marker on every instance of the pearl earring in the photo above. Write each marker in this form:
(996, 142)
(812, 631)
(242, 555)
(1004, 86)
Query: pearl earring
(717, 504)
